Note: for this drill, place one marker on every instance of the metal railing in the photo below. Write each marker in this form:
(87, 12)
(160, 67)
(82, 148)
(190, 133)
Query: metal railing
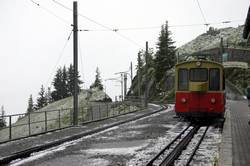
(39, 122)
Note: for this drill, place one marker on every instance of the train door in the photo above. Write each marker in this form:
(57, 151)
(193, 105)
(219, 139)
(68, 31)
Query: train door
(198, 78)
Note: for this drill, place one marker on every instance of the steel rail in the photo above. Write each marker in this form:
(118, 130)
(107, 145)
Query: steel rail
(27, 152)
(150, 163)
(196, 147)
(170, 158)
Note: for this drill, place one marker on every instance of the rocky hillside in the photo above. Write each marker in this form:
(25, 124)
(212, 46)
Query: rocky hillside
(232, 37)
(211, 39)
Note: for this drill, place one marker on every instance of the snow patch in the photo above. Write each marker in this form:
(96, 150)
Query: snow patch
(155, 145)
(115, 151)
(38, 155)
(35, 156)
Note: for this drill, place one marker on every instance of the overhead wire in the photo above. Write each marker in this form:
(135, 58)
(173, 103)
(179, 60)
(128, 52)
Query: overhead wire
(203, 16)
(157, 27)
(52, 13)
(59, 57)
(66, 7)
(102, 25)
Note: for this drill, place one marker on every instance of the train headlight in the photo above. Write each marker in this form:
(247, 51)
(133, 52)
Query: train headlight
(198, 64)
(183, 100)
(213, 100)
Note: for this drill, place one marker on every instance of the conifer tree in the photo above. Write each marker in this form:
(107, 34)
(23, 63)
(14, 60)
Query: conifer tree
(70, 80)
(57, 83)
(165, 55)
(98, 81)
(64, 83)
(41, 100)
(140, 61)
(30, 105)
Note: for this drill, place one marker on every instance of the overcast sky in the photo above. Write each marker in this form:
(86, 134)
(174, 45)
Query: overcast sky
(32, 38)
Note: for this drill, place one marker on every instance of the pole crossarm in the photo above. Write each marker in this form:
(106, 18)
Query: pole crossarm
(235, 64)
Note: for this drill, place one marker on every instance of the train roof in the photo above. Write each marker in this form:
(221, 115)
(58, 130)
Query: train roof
(198, 60)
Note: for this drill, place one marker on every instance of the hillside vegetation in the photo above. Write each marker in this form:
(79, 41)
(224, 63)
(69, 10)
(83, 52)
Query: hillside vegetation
(161, 87)
(85, 96)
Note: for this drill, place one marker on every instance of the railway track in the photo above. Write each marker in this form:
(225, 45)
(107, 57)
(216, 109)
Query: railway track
(27, 152)
(166, 157)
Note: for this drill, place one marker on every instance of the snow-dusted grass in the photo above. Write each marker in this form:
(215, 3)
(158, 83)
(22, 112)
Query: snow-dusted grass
(20, 128)
(62, 109)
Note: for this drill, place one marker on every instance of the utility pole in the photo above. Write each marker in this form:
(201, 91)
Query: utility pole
(146, 77)
(221, 51)
(139, 75)
(121, 87)
(75, 64)
(131, 73)
(125, 85)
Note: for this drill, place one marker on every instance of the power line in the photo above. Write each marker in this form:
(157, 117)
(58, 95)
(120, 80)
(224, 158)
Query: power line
(203, 16)
(52, 13)
(102, 25)
(64, 6)
(59, 58)
(157, 27)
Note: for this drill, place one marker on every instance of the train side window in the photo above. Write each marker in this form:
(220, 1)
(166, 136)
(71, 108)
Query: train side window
(214, 79)
(182, 79)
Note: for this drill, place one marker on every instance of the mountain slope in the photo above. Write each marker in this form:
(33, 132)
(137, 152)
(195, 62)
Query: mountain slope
(211, 39)
(64, 105)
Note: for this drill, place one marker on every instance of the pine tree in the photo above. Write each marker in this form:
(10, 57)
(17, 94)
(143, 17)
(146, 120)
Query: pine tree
(70, 80)
(2, 118)
(48, 96)
(142, 58)
(30, 105)
(64, 82)
(140, 61)
(165, 55)
(98, 81)
(57, 83)
(41, 100)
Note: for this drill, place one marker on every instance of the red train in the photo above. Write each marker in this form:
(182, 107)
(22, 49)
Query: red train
(200, 89)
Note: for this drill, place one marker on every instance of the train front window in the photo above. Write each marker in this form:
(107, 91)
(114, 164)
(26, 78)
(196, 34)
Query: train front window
(198, 74)
(214, 79)
(182, 79)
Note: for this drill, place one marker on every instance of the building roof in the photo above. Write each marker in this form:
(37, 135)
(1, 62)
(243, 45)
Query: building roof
(247, 25)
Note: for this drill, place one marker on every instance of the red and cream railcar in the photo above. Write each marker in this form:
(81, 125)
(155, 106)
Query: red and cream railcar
(199, 86)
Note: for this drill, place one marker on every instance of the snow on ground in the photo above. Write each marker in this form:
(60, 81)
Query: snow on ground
(116, 150)
(153, 115)
(61, 147)
(35, 156)
(155, 145)
(207, 154)
(154, 105)
(209, 148)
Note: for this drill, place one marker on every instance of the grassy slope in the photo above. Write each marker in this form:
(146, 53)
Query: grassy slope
(39, 115)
